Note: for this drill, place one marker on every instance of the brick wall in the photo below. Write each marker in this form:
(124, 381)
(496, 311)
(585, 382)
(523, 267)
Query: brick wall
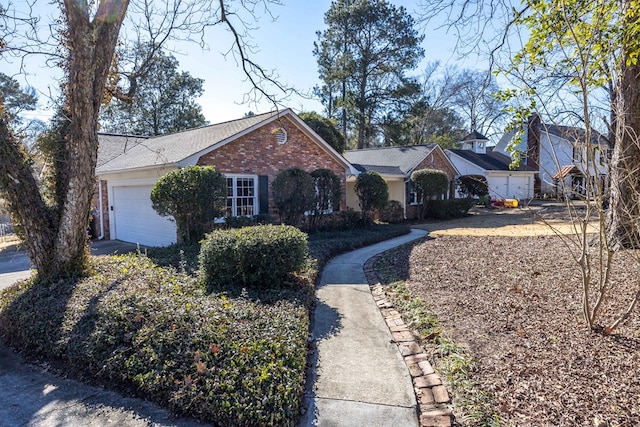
(258, 153)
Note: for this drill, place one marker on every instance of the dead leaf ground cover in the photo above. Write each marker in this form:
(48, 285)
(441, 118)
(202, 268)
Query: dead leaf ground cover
(514, 302)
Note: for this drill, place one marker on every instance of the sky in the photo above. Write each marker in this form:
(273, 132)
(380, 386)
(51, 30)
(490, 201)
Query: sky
(284, 44)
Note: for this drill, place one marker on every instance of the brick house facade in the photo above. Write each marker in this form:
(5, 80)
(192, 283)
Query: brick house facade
(438, 161)
(250, 152)
(259, 153)
(395, 165)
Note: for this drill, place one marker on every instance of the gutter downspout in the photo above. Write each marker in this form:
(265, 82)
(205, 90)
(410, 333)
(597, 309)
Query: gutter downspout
(101, 236)
(404, 194)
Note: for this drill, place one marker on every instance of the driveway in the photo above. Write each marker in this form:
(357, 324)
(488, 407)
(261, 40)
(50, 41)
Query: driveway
(15, 263)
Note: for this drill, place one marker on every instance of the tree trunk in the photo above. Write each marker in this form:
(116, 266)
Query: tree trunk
(361, 104)
(623, 220)
(32, 218)
(58, 246)
(91, 48)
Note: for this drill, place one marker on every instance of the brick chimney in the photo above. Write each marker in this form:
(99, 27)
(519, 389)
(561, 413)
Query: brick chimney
(533, 149)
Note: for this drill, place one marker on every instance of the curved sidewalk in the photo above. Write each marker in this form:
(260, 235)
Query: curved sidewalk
(358, 376)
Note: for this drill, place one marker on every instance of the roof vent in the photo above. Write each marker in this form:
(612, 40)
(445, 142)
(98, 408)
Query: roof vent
(280, 134)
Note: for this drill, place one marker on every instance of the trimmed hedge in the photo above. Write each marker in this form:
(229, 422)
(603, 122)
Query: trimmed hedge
(263, 256)
(449, 209)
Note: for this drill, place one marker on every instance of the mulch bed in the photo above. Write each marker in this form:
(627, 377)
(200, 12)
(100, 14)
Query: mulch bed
(516, 304)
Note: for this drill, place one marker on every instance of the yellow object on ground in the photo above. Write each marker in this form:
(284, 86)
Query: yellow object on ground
(510, 203)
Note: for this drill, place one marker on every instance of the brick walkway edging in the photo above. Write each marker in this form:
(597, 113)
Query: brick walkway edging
(432, 396)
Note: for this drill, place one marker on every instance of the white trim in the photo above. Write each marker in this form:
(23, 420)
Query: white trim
(256, 197)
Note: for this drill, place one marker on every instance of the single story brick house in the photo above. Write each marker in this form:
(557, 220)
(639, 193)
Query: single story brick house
(250, 152)
(395, 165)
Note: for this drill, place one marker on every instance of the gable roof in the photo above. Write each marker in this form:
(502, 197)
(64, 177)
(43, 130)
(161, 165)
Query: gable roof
(390, 161)
(575, 135)
(492, 161)
(112, 145)
(185, 147)
(571, 134)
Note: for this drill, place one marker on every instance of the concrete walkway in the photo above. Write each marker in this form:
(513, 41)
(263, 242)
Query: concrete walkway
(359, 376)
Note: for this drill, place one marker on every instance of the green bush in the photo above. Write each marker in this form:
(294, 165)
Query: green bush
(372, 191)
(153, 332)
(350, 220)
(293, 194)
(449, 209)
(393, 212)
(238, 221)
(263, 256)
(247, 221)
(327, 198)
(194, 196)
(327, 190)
(428, 184)
(472, 185)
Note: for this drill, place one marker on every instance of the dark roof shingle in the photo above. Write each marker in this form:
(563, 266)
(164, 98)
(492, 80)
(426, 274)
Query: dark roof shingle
(490, 161)
(389, 160)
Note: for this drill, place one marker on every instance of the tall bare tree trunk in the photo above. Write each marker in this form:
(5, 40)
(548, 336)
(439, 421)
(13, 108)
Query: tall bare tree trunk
(57, 237)
(91, 48)
(623, 220)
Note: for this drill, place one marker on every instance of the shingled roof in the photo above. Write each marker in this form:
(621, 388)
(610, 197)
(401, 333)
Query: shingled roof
(491, 161)
(173, 148)
(400, 161)
(112, 145)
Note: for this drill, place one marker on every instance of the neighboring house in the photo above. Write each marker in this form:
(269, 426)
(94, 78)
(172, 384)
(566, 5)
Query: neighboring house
(396, 164)
(475, 158)
(559, 154)
(250, 152)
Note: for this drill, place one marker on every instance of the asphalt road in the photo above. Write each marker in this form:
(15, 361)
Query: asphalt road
(14, 265)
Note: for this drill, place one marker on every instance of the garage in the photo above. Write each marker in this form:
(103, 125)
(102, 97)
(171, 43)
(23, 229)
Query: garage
(511, 185)
(134, 220)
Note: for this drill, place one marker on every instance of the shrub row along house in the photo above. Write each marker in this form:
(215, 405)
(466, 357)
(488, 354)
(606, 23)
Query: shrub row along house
(396, 164)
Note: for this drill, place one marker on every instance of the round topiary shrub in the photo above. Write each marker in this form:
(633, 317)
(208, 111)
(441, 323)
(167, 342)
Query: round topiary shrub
(429, 184)
(472, 185)
(194, 196)
(263, 256)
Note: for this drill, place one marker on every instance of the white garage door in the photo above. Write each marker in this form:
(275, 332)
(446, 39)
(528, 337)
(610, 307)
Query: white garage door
(136, 221)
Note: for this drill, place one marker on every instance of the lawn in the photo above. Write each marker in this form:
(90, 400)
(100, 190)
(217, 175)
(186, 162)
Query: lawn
(143, 324)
